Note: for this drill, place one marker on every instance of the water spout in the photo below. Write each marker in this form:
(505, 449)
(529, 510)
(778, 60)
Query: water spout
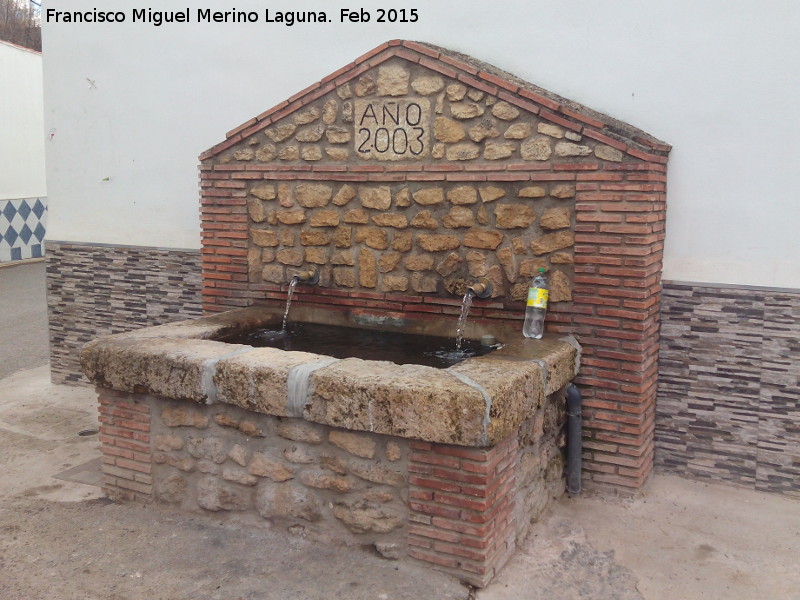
(482, 288)
(309, 276)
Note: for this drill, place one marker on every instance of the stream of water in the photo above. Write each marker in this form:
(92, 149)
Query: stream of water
(292, 285)
(466, 303)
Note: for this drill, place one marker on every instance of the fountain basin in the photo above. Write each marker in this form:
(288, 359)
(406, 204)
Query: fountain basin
(368, 344)
(477, 402)
(444, 466)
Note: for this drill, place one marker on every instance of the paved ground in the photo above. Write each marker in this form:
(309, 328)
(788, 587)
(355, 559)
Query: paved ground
(60, 540)
(23, 320)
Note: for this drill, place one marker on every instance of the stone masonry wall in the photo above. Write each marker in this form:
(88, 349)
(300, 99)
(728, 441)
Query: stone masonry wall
(456, 508)
(413, 170)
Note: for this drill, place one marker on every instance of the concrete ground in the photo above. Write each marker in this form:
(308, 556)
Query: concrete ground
(23, 316)
(60, 539)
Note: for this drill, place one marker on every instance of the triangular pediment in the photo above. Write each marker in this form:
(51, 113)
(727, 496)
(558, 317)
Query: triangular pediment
(408, 102)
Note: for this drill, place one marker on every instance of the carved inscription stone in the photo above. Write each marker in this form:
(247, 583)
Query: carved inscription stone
(392, 129)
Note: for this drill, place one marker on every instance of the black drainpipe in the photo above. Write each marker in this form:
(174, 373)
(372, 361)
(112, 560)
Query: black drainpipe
(573, 440)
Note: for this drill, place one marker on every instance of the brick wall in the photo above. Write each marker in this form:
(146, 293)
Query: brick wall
(513, 179)
(619, 248)
(125, 442)
(461, 507)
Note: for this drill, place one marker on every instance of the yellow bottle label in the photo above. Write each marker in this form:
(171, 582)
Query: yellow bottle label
(537, 297)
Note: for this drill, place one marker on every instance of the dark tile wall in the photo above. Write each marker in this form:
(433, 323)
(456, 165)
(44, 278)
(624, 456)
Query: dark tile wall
(95, 290)
(728, 405)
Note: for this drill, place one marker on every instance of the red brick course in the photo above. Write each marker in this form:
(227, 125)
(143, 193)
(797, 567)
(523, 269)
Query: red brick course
(125, 445)
(461, 502)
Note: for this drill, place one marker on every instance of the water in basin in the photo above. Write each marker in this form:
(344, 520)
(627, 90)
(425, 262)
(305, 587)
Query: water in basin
(368, 344)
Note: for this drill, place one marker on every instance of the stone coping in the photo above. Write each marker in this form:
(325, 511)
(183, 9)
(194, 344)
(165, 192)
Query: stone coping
(477, 402)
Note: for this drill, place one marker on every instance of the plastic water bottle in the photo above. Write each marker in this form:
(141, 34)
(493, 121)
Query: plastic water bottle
(536, 307)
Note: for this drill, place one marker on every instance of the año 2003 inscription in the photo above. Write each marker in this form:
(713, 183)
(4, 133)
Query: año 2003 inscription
(392, 129)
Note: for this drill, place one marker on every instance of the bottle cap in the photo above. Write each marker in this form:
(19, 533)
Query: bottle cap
(541, 269)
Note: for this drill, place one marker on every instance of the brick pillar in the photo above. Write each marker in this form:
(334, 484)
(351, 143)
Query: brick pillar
(223, 218)
(620, 215)
(461, 503)
(125, 445)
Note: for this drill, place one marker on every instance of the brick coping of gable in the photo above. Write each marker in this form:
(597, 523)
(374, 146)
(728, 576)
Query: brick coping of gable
(484, 77)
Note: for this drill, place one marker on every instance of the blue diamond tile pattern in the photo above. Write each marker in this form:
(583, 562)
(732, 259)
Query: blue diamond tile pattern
(38, 208)
(11, 237)
(9, 211)
(23, 224)
(24, 210)
(25, 234)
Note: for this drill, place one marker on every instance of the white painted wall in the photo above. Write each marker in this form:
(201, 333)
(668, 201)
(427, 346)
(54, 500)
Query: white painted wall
(22, 172)
(133, 105)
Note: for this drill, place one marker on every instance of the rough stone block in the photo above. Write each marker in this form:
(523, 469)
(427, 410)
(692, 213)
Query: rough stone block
(166, 443)
(459, 216)
(563, 191)
(393, 80)
(553, 241)
(363, 517)
(429, 196)
(313, 195)
(463, 151)
(565, 149)
(374, 237)
(377, 197)
(300, 431)
(264, 237)
(262, 465)
(354, 443)
(311, 153)
(536, 149)
(486, 239)
(424, 220)
(183, 416)
(490, 193)
(345, 194)
(427, 84)
(394, 283)
(238, 475)
(325, 481)
(306, 115)
(556, 218)
(466, 110)
(447, 130)
(436, 242)
(419, 262)
(281, 132)
(214, 495)
(553, 131)
(287, 500)
(518, 131)
(608, 153)
(505, 111)
(510, 216)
